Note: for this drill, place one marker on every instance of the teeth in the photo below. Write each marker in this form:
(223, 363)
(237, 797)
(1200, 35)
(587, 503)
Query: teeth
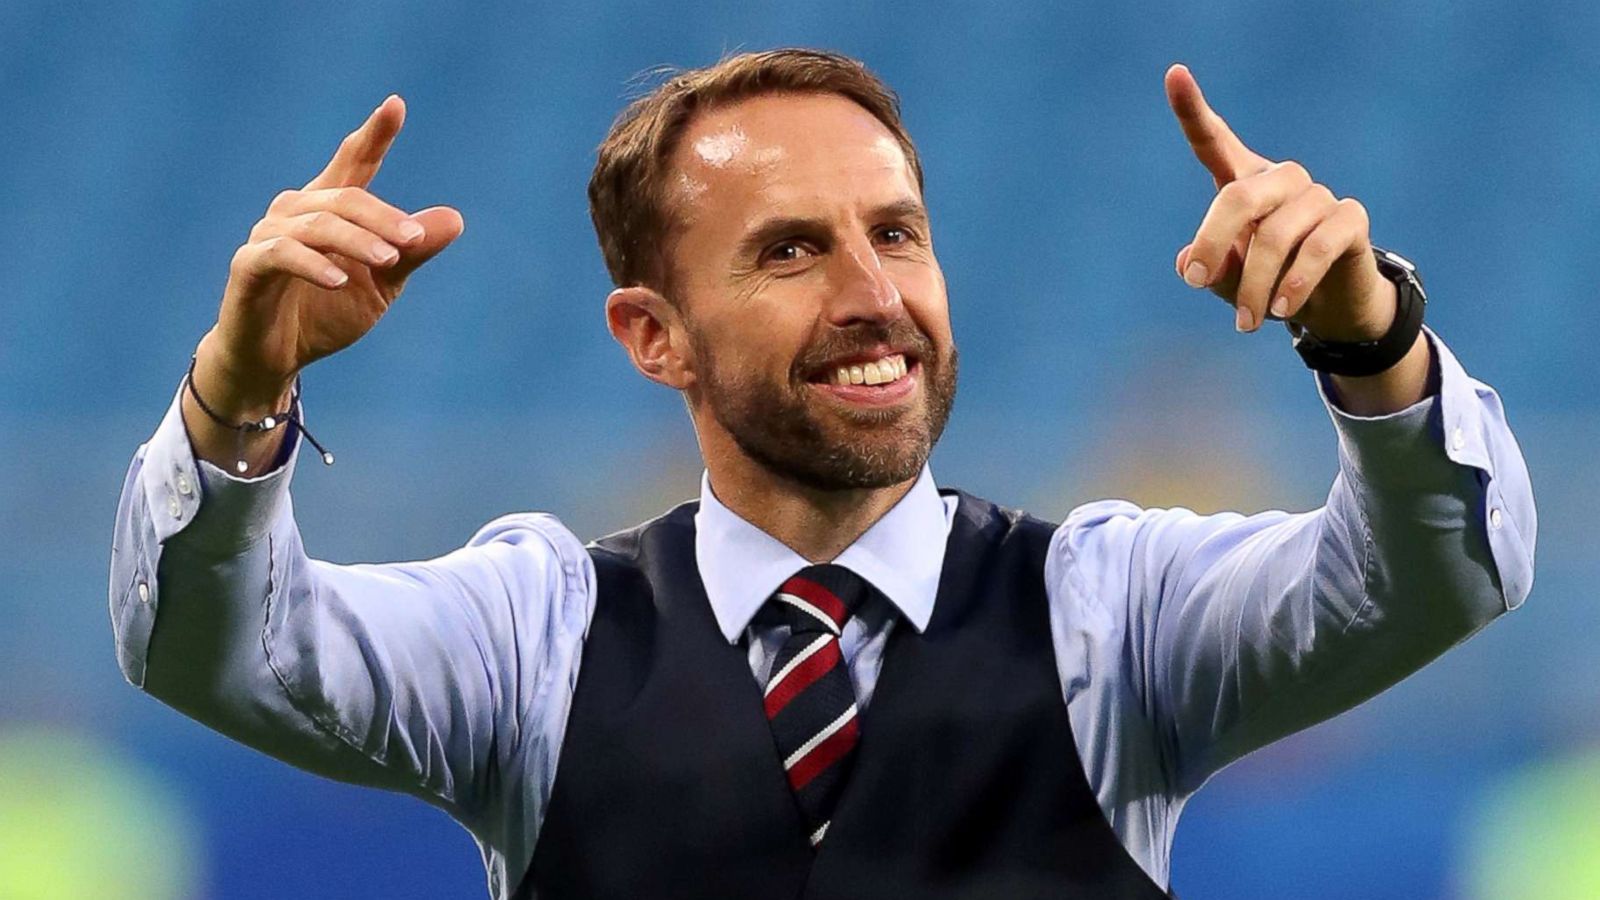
(882, 371)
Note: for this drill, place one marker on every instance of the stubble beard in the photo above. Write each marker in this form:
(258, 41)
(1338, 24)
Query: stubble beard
(790, 431)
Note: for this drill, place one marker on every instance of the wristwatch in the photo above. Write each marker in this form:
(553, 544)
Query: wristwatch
(1370, 357)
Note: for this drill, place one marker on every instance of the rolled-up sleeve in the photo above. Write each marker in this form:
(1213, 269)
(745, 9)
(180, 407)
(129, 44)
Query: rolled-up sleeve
(1231, 631)
(1452, 463)
(161, 497)
(426, 677)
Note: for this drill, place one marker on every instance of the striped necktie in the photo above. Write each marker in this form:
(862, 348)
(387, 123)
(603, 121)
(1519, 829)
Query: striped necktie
(810, 701)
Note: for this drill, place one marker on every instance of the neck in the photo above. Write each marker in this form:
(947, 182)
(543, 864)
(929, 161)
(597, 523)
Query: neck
(817, 524)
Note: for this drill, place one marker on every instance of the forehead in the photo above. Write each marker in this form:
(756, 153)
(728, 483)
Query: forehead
(785, 150)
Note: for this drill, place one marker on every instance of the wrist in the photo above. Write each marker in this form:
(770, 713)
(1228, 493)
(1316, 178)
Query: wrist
(252, 439)
(235, 392)
(1414, 378)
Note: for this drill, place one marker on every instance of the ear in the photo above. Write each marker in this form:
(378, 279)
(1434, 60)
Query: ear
(652, 331)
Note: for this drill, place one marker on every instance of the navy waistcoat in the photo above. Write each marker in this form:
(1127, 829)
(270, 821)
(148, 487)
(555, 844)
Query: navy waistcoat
(966, 783)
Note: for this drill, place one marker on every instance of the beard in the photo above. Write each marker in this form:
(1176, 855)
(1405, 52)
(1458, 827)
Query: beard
(793, 433)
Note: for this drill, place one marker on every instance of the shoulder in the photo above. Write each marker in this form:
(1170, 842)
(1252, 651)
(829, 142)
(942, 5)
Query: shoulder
(1109, 547)
(1115, 529)
(1100, 526)
(1001, 522)
(531, 560)
(625, 547)
(525, 527)
(1096, 532)
(530, 537)
(1090, 552)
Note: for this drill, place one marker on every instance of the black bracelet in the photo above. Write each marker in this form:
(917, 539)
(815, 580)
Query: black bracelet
(265, 424)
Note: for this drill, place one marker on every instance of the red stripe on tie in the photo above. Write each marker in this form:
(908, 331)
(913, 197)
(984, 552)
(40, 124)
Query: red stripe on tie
(803, 676)
(818, 596)
(824, 755)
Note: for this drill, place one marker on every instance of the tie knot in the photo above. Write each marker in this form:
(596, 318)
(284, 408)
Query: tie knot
(819, 598)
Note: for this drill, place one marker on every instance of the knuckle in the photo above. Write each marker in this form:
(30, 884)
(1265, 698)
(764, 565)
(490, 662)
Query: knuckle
(1354, 208)
(1323, 192)
(351, 198)
(273, 249)
(1319, 246)
(283, 199)
(1237, 193)
(1294, 168)
(316, 222)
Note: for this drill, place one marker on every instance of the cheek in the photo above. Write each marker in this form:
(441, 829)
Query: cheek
(761, 343)
(922, 291)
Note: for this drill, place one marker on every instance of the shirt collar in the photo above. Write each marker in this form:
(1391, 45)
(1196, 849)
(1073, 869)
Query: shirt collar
(901, 555)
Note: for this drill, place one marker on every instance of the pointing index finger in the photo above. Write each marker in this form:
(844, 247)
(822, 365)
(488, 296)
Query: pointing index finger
(362, 151)
(1213, 142)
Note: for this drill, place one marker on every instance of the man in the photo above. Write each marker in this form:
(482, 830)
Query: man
(827, 678)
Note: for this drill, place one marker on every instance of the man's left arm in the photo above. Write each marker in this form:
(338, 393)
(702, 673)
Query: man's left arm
(1427, 536)
(1243, 629)
(1231, 631)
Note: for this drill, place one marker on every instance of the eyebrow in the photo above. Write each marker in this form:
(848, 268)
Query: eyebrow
(908, 208)
(769, 230)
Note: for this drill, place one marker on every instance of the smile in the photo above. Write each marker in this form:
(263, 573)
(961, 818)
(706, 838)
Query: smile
(886, 381)
(881, 371)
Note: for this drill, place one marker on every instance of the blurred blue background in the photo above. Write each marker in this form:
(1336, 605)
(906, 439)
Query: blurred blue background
(141, 142)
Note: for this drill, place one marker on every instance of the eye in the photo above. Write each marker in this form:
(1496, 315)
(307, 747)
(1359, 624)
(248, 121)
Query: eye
(787, 252)
(893, 235)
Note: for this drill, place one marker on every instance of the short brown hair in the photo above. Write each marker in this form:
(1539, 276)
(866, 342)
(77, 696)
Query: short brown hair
(628, 191)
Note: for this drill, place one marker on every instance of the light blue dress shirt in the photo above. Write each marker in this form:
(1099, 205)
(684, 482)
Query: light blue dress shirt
(1183, 641)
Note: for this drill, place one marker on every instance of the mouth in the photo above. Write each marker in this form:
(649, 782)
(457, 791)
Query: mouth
(871, 379)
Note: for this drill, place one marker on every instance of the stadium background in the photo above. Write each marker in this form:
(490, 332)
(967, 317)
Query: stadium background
(141, 141)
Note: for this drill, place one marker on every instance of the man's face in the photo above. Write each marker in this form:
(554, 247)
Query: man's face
(803, 264)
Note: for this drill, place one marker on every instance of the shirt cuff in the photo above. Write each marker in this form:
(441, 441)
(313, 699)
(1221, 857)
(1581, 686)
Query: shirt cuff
(215, 511)
(1420, 451)
(1419, 447)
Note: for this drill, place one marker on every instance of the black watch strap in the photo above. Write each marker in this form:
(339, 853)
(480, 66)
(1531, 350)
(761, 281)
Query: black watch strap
(1361, 358)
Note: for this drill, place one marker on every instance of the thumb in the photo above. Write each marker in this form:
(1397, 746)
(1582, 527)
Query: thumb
(441, 225)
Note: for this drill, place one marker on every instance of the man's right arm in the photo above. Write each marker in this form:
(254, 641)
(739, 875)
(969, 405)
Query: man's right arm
(426, 677)
(422, 677)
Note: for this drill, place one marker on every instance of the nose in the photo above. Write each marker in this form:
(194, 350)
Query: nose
(862, 290)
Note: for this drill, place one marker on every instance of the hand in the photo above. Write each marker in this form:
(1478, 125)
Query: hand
(318, 272)
(1274, 241)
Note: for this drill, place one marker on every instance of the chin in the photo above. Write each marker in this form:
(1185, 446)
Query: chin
(856, 457)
